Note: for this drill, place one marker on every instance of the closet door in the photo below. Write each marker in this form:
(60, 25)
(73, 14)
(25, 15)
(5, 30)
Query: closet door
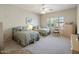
(1, 36)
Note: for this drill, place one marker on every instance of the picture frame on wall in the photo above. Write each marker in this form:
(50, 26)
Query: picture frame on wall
(28, 20)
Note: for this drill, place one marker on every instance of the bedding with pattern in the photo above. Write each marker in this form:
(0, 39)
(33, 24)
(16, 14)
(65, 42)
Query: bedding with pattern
(44, 31)
(25, 37)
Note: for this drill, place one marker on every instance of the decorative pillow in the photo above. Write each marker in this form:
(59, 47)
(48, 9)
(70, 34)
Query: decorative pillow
(25, 28)
(19, 28)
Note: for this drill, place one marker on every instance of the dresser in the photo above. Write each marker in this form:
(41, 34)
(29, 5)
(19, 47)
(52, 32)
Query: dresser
(68, 29)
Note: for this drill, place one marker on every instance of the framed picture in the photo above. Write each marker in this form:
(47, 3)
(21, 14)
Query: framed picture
(28, 20)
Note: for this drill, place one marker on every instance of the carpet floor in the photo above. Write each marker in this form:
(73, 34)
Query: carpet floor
(46, 45)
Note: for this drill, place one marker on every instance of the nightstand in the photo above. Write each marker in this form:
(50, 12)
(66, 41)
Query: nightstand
(74, 43)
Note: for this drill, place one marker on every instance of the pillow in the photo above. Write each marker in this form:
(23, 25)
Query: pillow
(25, 28)
(29, 27)
(19, 28)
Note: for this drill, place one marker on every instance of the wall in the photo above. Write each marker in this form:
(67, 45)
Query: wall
(69, 15)
(12, 16)
(78, 19)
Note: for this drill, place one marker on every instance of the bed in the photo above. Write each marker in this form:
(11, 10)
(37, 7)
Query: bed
(44, 31)
(25, 37)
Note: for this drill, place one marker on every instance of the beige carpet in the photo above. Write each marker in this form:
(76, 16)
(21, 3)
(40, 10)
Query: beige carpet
(46, 45)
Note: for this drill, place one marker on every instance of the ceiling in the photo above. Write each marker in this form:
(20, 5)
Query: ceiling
(36, 8)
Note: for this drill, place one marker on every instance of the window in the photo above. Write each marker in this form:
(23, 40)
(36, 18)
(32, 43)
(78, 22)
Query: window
(56, 21)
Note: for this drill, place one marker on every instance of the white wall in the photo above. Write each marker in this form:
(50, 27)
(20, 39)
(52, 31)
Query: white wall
(78, 19)
(69, 15)
(12, 16)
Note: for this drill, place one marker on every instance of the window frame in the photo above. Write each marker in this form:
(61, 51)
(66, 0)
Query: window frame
(58, 21)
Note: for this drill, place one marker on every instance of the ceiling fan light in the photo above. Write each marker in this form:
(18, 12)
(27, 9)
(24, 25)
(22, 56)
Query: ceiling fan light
(46, 9)
(43, 12)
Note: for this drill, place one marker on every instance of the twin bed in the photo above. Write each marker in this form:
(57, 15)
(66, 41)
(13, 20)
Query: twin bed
(25, 37)
(44, 31)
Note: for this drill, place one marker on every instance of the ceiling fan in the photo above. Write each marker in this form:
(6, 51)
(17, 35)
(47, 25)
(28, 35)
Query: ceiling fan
(45, 9)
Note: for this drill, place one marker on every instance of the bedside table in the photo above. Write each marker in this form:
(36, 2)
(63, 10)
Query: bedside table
(74, 43)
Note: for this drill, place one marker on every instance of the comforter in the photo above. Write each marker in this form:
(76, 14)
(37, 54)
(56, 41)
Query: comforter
(26, 37)
(44, 31)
